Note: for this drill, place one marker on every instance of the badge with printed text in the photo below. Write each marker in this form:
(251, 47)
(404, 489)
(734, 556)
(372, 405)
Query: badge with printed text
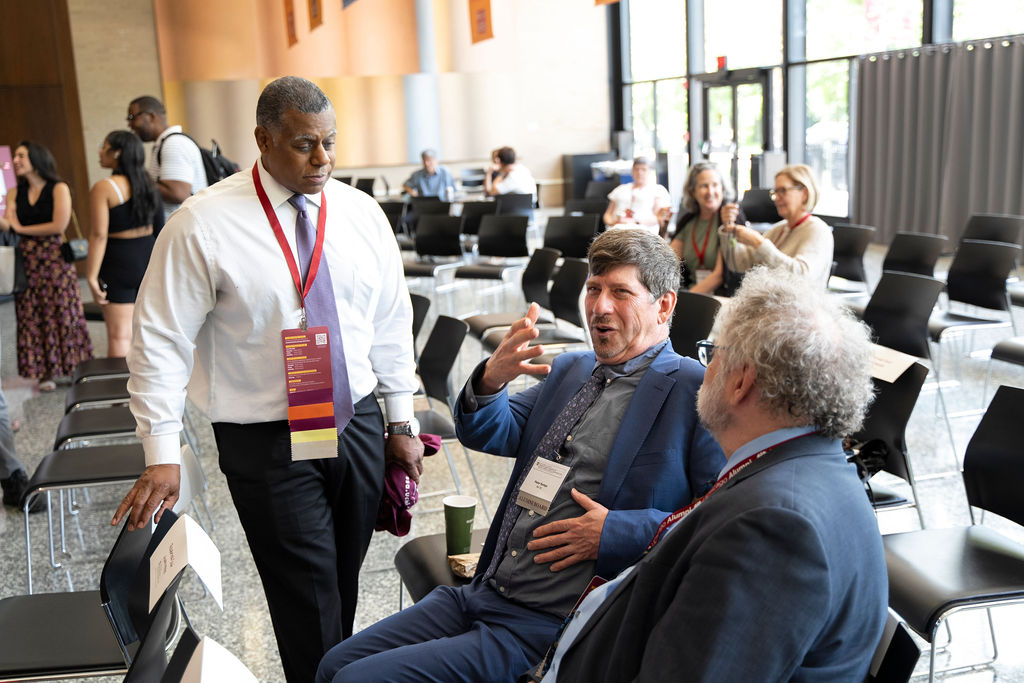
(307, 367)
(541, 485)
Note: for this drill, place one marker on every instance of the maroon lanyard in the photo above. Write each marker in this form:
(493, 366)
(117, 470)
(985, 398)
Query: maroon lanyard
(318, 246)
(722, 481)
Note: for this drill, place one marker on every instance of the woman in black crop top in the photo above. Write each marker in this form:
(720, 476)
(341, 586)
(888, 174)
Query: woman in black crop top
(121, 238)
(52, 337)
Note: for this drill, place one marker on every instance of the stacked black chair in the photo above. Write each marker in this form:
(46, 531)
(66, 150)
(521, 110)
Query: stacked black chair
(693, 319)
(535, 289)
(883, 435)
(515, 204)
(473, 213)
(758, 207)
(437, 237)
(365, 185)
(571, 235)
(850, 243)
(993, 227)
(97, 368)
(936, 572)
(502, 239)
(600, 189)
(914, 252)
(100, 392)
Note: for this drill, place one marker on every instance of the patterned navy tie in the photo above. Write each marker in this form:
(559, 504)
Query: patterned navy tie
(548, 447)
(322, 310)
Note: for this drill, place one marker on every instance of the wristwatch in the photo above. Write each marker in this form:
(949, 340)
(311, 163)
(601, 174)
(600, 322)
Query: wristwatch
(410, 428)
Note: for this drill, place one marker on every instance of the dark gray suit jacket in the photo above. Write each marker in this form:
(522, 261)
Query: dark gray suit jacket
(779, 576)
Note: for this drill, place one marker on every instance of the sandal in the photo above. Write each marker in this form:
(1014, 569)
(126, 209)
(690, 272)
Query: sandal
(47, 385)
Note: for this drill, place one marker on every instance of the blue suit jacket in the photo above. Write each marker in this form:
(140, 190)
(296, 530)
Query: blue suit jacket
(779, 576)
(661, 457)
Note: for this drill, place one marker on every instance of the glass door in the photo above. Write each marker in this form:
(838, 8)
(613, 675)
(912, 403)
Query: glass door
(736, 120)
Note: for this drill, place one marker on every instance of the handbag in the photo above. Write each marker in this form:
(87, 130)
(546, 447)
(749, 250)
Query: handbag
(75, 249)
(12, 265)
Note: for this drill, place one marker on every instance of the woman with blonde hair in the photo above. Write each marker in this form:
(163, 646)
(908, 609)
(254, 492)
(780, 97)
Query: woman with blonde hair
(800, 242)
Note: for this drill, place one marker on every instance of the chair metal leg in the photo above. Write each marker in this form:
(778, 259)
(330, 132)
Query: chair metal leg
(28, 545)
(479, 489)
(49, 528)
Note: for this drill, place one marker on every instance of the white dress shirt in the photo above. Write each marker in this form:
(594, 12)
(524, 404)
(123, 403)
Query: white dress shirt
(218, 293)
(518, 181)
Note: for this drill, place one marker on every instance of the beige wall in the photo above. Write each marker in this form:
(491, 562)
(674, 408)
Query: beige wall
(540, 85)
(116, 60)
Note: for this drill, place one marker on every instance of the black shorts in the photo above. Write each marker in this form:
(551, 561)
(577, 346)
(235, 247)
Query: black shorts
(124, 264)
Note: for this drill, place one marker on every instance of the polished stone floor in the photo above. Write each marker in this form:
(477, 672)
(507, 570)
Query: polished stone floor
(244, 626)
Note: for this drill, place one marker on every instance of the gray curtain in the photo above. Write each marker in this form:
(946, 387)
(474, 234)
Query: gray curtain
(939, 136)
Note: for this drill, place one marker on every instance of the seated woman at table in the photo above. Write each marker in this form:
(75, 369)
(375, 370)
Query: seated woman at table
(800, 242)
(637, 204)
(708, 203)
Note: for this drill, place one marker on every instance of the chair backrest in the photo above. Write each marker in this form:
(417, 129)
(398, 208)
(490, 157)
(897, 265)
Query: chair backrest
(566, 289)
(850, 241)
(503, 235)
(977, 275)
(537, 274)
(420, 306)
(994, 227)
(183, 652)
(515, 204)
(571, 235)
(366, 185)
(576, 207)
(423, 206)
(758, 207)
(347, 179)
(994, 462)
(887, 417)
(692, 321)
(150, 661)
(395, 212)
(914, 252)
(124, 580)
(899, 309)
(600, 189)
(473, 212)
(438, 235)
(439, 356)
(896, 655)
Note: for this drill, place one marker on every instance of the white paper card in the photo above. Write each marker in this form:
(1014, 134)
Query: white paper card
(186, 544)
(888, 364)
(541, 485)
(212, 662)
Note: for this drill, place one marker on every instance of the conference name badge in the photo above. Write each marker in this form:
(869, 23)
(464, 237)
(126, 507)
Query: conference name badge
(307, 366)
(541, 485)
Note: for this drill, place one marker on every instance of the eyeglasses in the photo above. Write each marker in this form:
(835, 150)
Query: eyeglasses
(132, 117)
(774, 194)
(706, 351)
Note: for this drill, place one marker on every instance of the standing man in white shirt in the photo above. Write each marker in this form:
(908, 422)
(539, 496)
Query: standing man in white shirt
(228, 287)
(175, 165)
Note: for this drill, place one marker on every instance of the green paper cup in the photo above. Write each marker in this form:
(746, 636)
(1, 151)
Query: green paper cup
(458, 523)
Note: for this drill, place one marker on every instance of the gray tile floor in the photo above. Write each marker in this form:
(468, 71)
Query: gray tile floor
(244, 625)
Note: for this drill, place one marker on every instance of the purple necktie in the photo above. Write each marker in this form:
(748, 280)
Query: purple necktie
(322, 310)
(547, 447)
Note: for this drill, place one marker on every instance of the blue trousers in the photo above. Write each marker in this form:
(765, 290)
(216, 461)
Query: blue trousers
(454, 634)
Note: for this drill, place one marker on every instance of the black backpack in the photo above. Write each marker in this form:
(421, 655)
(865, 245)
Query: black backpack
(216, 165)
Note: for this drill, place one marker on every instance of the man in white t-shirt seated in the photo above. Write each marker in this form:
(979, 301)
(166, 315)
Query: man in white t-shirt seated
(508, 177)
(175, 165)
(636, 204)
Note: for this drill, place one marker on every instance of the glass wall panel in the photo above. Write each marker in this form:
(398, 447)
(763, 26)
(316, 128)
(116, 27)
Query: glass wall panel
(747, 32)
(986, 18)
(644, 141)
(749, 130)
(839, 28)
(672, 118)
(827, 135)
(657, 39)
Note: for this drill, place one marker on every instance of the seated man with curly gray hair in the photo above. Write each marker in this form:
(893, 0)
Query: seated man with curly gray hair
(778, 572)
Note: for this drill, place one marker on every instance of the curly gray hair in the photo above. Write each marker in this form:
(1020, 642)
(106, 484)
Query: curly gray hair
(810, 355)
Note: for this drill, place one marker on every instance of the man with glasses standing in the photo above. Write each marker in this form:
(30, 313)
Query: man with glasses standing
(777, 573)
(175, 165)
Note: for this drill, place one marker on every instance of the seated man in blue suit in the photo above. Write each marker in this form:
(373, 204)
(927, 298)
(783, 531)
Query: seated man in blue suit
(605, 448)
(778, 574)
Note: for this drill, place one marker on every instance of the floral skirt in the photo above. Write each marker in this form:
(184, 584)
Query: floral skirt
(52, 336)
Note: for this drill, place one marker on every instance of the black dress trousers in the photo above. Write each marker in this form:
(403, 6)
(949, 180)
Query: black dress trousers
(308, 524)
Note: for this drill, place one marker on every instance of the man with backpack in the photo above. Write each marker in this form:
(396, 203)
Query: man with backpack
(176, 165)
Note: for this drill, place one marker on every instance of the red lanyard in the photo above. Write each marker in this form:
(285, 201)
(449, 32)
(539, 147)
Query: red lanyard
(722, 481)
(806, 216)
(318, 246)
(693, 237)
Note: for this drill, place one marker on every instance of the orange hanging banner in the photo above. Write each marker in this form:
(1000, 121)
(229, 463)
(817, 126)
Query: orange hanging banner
(605, 2)
(289, 22)
(316, 16)
(480, 20)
